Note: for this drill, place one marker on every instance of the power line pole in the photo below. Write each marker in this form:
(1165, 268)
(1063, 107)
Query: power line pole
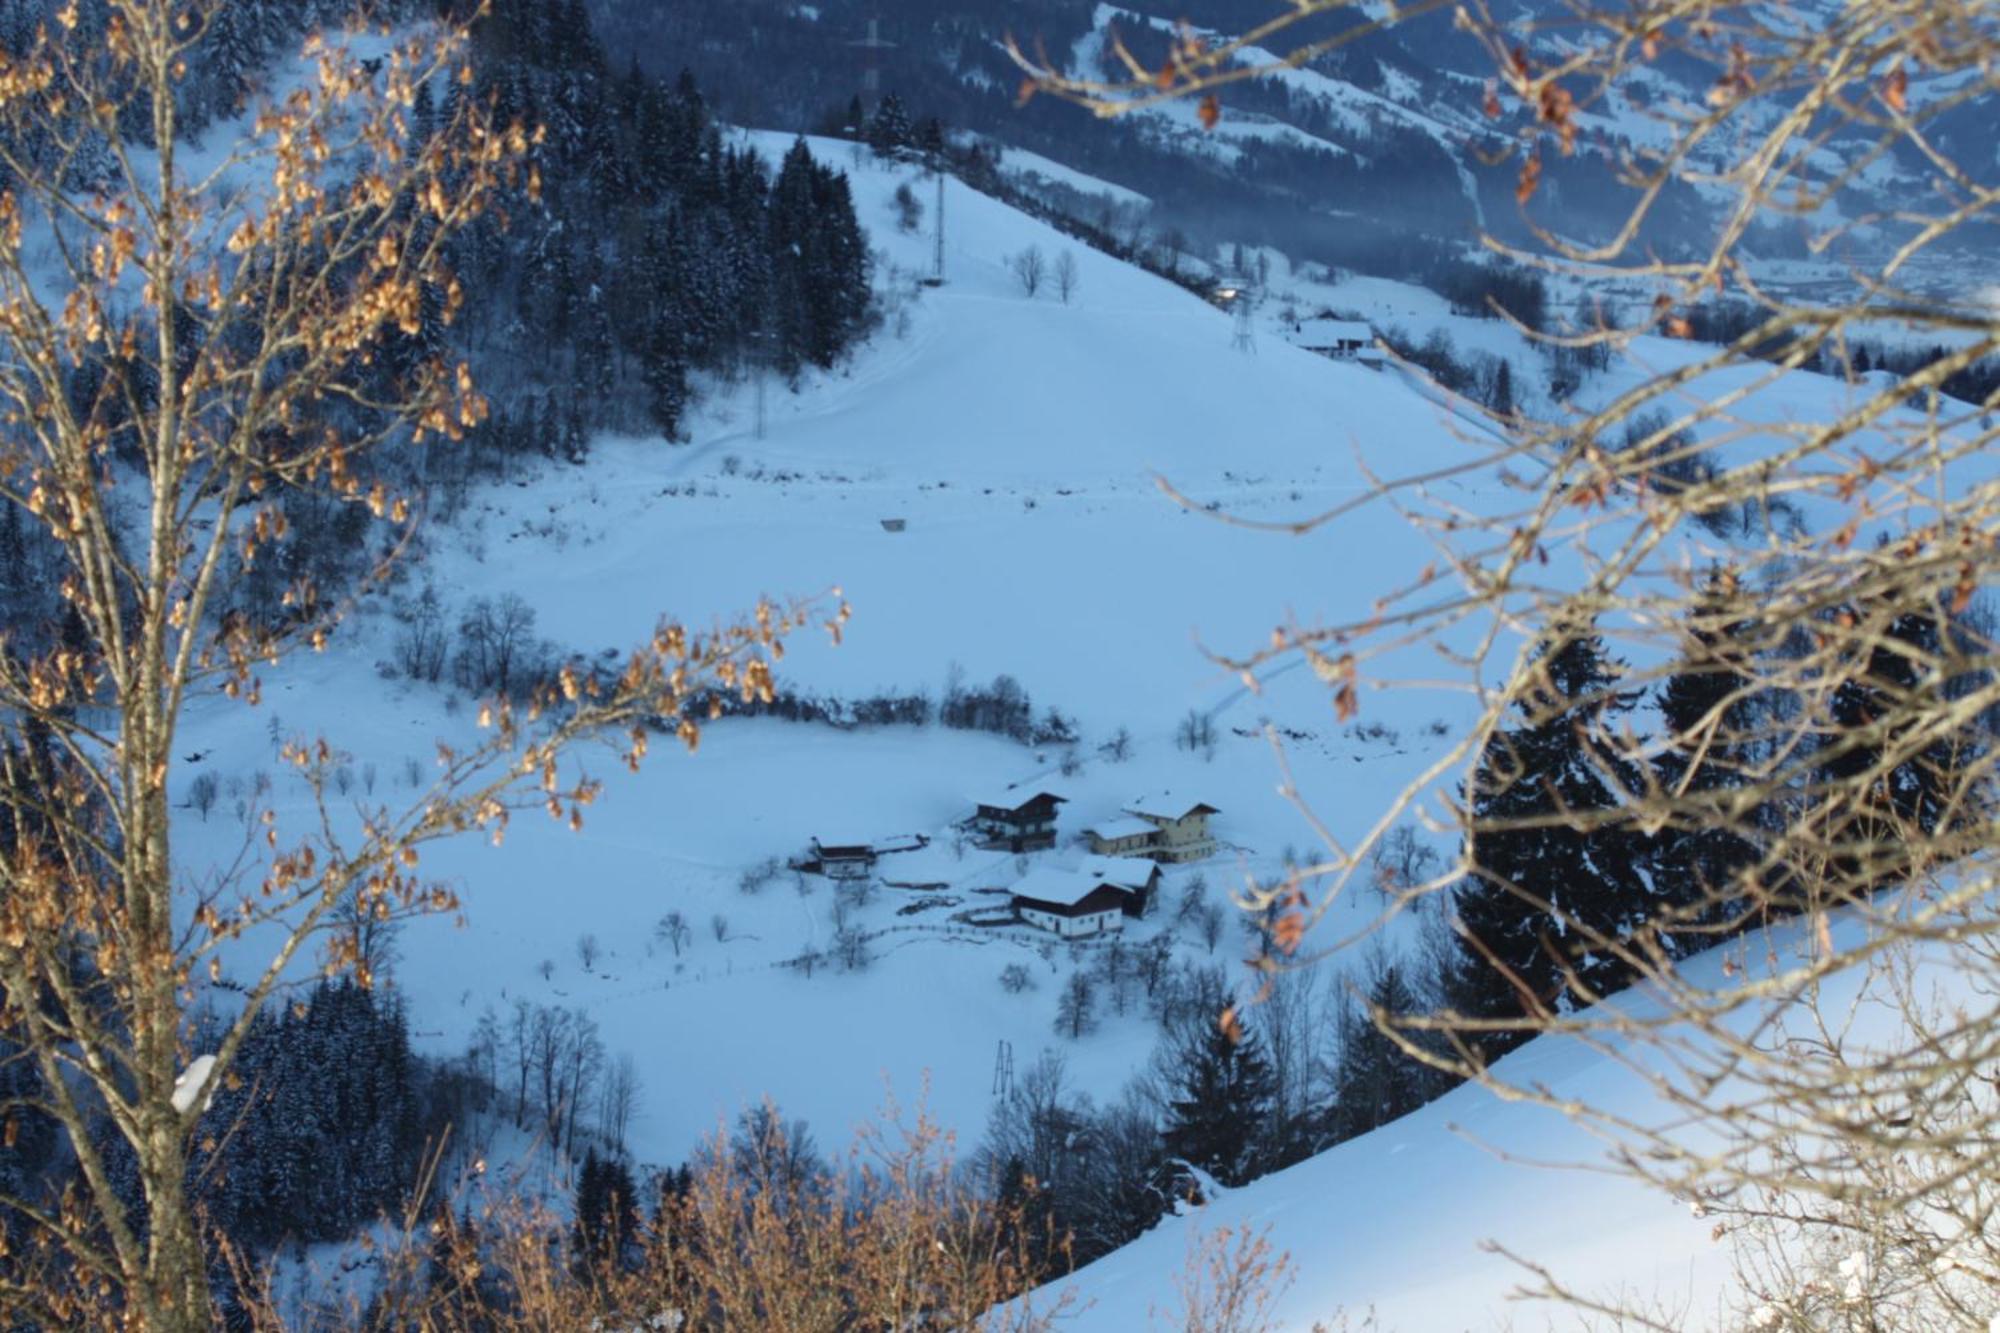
(1003, 1069)
(937, 226)
(1242, 304)
(871, 75)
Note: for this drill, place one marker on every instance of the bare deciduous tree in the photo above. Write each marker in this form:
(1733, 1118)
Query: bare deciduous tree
(493, 636)
(1029, 268)
(231, 327)
(422, 645)
(202, 793)
(1208, 924)
(909, 209)
(1230, 1281)
(675, 930)
(619, 1100)
(1069, 275)
(1073, 1009)
(851, 949)
(765, 1235)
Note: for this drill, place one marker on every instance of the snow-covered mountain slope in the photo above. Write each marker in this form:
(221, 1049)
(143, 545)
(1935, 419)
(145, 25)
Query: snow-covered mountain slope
(1018, 441)
(1388, 130)
(1430, 1224)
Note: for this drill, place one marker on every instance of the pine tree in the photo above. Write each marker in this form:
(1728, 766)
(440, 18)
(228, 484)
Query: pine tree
(1223, 1097)
(1503, 389)
(665, 375)
(889, 128)
(576, 442)
(13, 555)
(1903, 678)
(1374, 1080)
(32, 1138)
(1543, 897)
(607, 1217)
(325, 1119)
(686, 119)
(232, 54)
(790, 244)
(1708, 717)
(1024, 1217)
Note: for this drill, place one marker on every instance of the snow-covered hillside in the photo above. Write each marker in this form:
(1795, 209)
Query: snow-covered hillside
(1019, 441)
(1013, 444)
(1432, 1222)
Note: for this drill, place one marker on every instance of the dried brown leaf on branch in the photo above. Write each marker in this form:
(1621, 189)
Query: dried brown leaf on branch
(1529, 179)
(1896, 90)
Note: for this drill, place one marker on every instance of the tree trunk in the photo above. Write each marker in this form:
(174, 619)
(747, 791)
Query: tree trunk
(175, 1287)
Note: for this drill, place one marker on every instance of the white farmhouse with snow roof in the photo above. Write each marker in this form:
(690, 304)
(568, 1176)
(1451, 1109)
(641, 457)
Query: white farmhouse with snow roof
(1343, 339)
(1069, 903)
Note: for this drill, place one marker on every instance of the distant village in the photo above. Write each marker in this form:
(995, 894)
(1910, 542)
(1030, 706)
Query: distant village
(1117, 879)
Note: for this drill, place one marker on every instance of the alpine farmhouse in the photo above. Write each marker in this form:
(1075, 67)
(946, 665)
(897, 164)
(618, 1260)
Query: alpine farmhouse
(1164, 827)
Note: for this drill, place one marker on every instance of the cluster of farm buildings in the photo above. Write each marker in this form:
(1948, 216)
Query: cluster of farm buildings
(1118, 880)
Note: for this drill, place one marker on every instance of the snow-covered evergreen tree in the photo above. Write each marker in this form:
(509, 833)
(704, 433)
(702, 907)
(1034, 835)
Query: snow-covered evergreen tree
(1556, 875)
(1374, 1080)
(1707, 716)
(1220, 1101)
(889, 127)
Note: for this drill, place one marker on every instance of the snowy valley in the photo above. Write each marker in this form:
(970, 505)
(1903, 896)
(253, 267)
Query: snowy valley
(1042, 835)
(1015, 445)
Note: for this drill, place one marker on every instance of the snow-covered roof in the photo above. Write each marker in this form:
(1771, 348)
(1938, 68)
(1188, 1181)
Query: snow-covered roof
(1013, 798)
(1168, 805)
(1125, 871)
(1127, 827)
(1330, 332)
(1068, 888)
(1065, 888)
(844, 842)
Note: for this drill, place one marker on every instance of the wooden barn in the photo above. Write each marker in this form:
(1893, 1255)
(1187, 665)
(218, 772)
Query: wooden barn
(844, 858)
(1139, 879)
(1021, 819)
